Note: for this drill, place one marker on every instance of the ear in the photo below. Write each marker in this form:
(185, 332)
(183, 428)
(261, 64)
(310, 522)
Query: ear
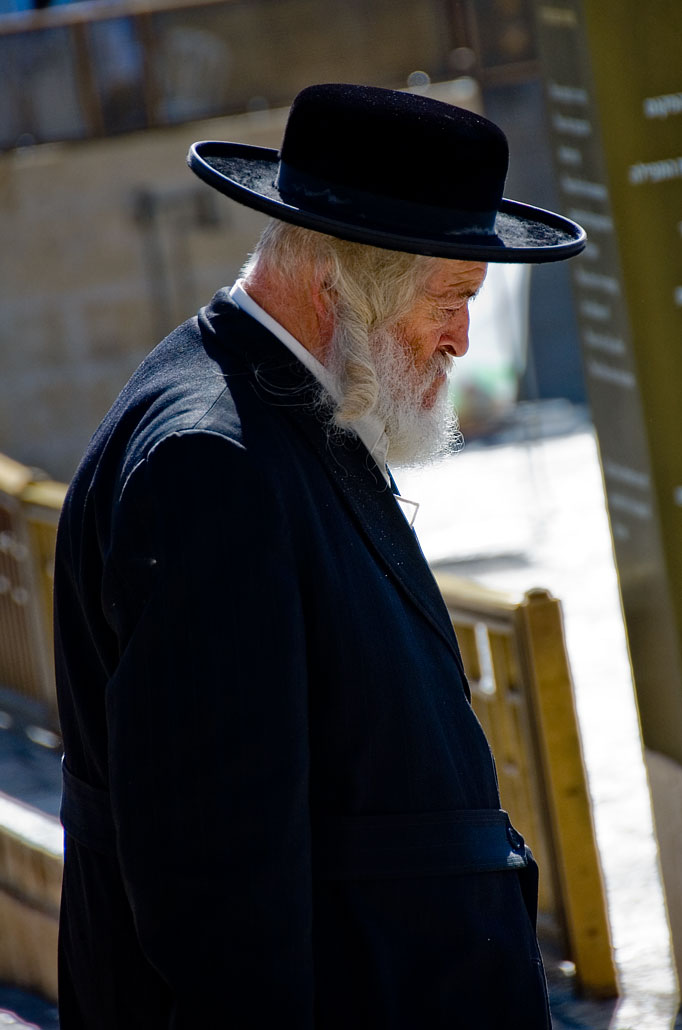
(323, 299)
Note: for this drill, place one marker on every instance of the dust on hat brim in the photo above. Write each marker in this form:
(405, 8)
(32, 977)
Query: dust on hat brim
(522, 233)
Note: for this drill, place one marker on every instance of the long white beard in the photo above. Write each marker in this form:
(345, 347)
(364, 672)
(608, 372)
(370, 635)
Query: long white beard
(416, 433)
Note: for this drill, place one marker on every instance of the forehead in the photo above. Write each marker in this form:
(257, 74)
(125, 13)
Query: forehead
(457, 278)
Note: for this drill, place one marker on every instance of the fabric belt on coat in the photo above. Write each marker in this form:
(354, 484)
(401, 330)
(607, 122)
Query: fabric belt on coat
(350, 847)
(417, 844)
(86, 814)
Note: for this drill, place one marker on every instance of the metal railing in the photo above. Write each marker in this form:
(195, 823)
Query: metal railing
(80, 71)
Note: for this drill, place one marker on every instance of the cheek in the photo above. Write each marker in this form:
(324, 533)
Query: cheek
(409, 343)
(425, 344)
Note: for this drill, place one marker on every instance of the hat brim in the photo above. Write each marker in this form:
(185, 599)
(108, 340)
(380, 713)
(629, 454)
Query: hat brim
(522, 233)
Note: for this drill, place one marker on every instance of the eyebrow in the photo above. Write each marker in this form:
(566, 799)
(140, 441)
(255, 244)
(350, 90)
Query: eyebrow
(461, 293)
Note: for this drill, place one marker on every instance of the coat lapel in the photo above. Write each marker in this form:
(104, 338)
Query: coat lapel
(385, 526)
(281, 380)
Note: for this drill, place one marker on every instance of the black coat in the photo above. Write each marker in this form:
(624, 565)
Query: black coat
(281, 810)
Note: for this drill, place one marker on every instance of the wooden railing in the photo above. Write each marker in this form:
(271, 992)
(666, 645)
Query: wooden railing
(515, 656)
(30, 885)
(29, 510)
(514, 652)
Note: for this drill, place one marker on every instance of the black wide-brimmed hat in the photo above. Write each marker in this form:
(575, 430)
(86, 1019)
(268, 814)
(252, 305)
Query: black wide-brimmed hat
(391, 169)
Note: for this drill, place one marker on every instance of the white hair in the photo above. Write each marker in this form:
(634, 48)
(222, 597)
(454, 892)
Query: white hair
(370, 289)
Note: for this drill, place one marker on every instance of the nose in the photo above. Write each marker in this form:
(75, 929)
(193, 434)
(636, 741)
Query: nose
(455, 337)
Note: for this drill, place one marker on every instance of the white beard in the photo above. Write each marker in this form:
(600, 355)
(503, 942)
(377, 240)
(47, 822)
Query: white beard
(416, 434)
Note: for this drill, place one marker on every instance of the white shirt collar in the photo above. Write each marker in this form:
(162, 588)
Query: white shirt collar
(370, 429)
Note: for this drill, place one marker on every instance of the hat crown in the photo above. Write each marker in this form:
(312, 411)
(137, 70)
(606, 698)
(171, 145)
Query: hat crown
(391, 144)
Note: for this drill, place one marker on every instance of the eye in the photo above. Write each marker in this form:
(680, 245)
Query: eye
(448, 312)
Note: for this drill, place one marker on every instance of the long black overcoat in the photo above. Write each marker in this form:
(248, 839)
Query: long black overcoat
(280, 809)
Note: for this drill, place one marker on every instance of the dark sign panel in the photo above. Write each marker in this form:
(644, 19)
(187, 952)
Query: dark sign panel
(614, 87)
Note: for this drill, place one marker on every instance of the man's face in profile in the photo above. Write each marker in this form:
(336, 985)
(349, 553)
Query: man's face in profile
(437, 328)
(412, 359)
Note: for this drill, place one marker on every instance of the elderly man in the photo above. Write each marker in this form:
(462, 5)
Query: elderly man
(280, 809)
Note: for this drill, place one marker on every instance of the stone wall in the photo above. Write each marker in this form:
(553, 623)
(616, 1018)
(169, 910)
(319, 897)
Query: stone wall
(106, 246)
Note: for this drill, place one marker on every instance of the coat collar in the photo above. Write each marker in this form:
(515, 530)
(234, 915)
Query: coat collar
(370, 430)
(282, 381)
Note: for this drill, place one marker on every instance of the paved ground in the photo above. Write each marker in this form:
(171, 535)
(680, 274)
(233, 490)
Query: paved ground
(522, 514)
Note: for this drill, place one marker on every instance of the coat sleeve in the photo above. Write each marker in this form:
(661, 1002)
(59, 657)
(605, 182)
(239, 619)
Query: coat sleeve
(208, 736)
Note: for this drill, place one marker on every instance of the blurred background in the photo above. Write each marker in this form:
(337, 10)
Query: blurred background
(572, 475)
(110, 242)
